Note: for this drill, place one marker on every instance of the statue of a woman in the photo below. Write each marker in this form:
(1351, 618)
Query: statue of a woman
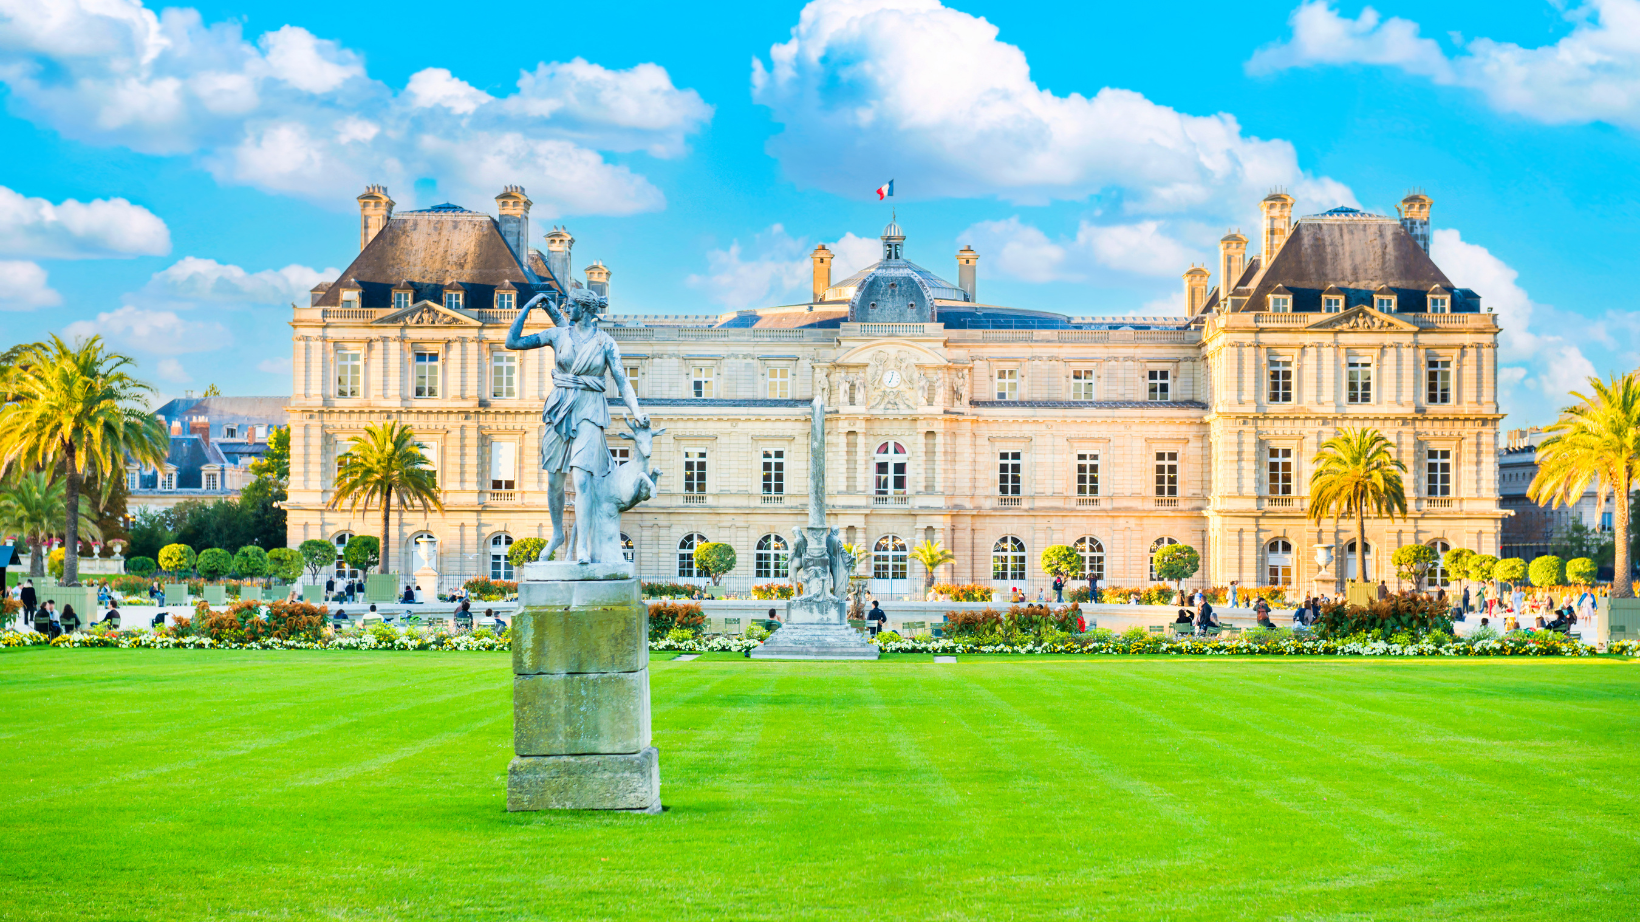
(576, 412)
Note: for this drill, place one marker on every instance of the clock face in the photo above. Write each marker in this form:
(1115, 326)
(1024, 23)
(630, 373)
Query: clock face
(892, 379)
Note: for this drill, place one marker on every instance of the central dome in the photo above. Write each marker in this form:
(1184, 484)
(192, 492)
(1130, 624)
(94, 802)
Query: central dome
(905, 275)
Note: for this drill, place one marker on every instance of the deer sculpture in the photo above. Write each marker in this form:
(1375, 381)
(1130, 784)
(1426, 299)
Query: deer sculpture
(625, 485)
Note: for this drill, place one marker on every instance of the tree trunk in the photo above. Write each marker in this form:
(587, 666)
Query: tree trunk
(1622, 582)
(387, 523)
(37, 557)
(71, 528)
(1360, 542)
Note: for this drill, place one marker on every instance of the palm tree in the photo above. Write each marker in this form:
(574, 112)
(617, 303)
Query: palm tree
(77, 408)
(382, 463)
(1356, 473)
(1598, 441)
(932, 555)
(31, 505)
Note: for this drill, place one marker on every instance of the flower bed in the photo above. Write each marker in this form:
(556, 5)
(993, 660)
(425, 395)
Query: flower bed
(1520, 643)
(381, 637)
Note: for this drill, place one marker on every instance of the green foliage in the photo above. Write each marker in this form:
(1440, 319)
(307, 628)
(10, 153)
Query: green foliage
(769, 592)
(274, 464)
(1596, 441)
(383, 466)
(887, 637)
(932, 555)
(1575, 539)
(668, 590)
(1481, 566)
(251, 562)
(1062, 560)
(214, 563)
(224, 523)
(363, 552)
(1456, 562)
(1509, 570)
(176, 558)
(1412, 562)
(318, 555)
(1356, 474)
(1177, 562)
(1019, 624)
(141, 566)
(285, 563)
(667, 618)
(715, 559)
(525, 550)
(55, 562)
(966, 592)
(1547, 570)
(1581, 570)
(490, 590)
(1416, 615)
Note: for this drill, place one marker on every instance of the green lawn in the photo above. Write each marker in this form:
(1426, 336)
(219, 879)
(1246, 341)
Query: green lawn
(180, 785)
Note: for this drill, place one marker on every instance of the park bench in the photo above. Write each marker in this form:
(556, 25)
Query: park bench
(1183, 630)
(1157, 628)
(910, 628)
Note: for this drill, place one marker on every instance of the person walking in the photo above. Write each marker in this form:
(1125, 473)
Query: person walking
(30, 601)
(1093, 589)
(1518, 601)
(1235, 593)
(1059, 589)
(1466, 600)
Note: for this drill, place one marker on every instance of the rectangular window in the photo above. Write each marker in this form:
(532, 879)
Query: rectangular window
(1281, 381)
(1280, 472)
(452, 300)
(1332, 304)
(168, 480)
(1082, 384)
(230, 432)
(1438, 305)
(505, 300)
(1281, 304)
(774, 472)
(632, 377)
(1007, 384)
(401, 300)
(503, 375)
(1161, 384)
(349, 373)
(1358, 381)
(1167, 473)
(1009, 467)
(779, 383)
(1439, 472)
(620, 454)
(426, 374)
(1087, 473)
(700, 381)
(503, 465)
(1387, 305)
(131, 480)
(210, 480)
(694, 471)
(1438, 381)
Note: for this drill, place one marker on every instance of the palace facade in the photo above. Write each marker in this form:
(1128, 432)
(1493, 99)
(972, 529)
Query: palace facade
(998, 431)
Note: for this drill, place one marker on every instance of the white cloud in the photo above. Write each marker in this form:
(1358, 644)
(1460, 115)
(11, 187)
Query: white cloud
(776, 269)
(1592, 74)
(152, 330)
(23, 286)
(198, 279)
(850, 254)
(873, 89)
(1022, 251)
(295, 114)
(172, 371)
(278, 366)
(100, 228)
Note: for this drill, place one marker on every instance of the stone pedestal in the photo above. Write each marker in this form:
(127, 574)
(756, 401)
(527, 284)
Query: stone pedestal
(581, 694)
(816, 629)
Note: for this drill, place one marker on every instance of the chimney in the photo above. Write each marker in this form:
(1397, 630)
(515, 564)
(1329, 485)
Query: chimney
(513, 207)
(1232, 260)
(598, 279)
(1195, 290)
(1414, 211)
(176, 427)
(559, 243)
(1278, 222)
(375, 208)
(201, 427)
(967, 271)
(822, 271)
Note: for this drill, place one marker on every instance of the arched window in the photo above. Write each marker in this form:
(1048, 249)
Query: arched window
(628, 550)
(888, 558)
(1437, 576)
(770, 558)
(1092, 553)
(1155, 546)
(1350, 563)
(686, 554)
(500, 566)
(343, 571)
(891, 460)
(1008, 559)
(1278, 559)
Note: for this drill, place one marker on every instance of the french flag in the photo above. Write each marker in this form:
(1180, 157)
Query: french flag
(885, 191)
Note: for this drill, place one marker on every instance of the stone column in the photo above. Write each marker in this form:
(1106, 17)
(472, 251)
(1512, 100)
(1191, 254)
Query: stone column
(581, 699)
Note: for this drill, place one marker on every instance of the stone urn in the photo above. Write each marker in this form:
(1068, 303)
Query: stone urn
(1326, 582)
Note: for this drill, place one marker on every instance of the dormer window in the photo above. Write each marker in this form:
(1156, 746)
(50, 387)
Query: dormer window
(452, 300)
(1438, 305)
(1332, 304)
(401, 300)
(1281, 304)
(230, 432)
(1384, 300)
(505, 300)
(351, 298)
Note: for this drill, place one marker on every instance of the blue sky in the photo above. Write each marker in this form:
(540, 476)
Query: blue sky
(175, 177)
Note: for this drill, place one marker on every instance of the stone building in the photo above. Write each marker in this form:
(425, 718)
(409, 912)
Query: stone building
(213, 442)
(998, 431)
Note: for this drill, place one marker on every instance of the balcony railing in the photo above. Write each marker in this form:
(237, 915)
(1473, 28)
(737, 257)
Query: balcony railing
(498, 496)
(891, 500)
(699, 498)
(1087, 500)
(1167, 502)
(774, 498)
(1284, 502)
(1010, 501)
(1437, 503)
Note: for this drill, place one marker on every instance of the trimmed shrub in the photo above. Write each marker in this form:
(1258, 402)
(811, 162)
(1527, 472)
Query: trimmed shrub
(362, 553)
(286, 564)
(141, 566)
(1177, 562)
(525, 550)
(1581, 570)
(177, 558)
(1509, 570)
(214, 563)
(666, 617)
(1061, 560)
(55, 562)
(1547, 570)
(251, 562)
(667, 590)
(715, 559)
(1416, 615)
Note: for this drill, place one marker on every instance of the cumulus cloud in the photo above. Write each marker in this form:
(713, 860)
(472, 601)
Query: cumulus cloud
(775, 268)
(869, 89)
(295, 114)
(1592, 74)
(152, 330)
(195, 279)
(23, 286)
(1022, 251)
(97, 229)
(171, 370)
(278, 366)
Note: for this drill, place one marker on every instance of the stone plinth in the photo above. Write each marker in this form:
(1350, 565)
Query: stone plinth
(581, 693)
(816, 629)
